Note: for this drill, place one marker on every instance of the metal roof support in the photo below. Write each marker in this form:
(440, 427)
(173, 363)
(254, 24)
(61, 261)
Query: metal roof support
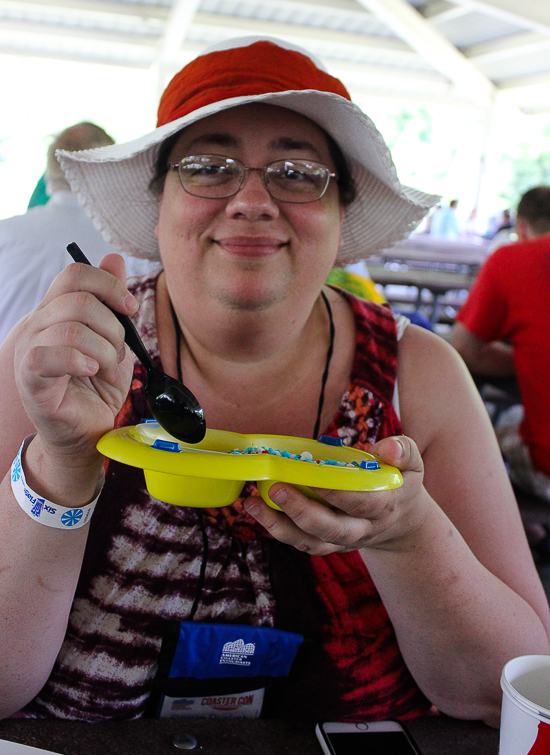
(510, 47)
(410, 26)
(481, 202)
(440, 12)
(531, 14)
(533, 91)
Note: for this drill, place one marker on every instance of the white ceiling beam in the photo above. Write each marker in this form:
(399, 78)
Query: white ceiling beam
(179, 19)
(366, 75)
(441, 11)
(511, 46)
(409, 25)
(530, 100)
(43, 34)
(337, 5)
(520, 85)
(382, 47)
(96, 7)
(533, 14)
(435, 8)
(78, 49)
(411, 96)
(537, 110)
(80, 56)
(392, 51)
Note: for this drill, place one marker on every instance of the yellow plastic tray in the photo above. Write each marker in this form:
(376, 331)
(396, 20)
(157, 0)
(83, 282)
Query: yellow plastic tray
(206, 475)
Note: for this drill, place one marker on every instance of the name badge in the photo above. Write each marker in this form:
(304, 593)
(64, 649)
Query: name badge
(220, 670)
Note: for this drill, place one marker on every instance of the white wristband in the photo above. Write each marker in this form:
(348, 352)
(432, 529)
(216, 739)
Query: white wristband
(42, 510)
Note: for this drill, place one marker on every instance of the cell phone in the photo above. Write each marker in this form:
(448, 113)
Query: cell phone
(368, 738)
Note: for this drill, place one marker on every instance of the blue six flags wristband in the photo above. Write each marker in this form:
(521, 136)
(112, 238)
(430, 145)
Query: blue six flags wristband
(42, 510)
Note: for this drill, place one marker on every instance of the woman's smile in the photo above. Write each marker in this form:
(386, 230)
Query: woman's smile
(250, 246)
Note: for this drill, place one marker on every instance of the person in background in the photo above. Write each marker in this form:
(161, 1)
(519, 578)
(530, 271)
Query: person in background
(444, 223)
(502, 331)
(505, 233)
(40, 194)
(470, 231)
(33, 245)
(260, 177)
(426, 225)
(505, 222)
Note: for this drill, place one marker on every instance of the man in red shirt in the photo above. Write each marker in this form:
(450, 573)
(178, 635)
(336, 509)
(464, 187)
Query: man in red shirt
(503, 329)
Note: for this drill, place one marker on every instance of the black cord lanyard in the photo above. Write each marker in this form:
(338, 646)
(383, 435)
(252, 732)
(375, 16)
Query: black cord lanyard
(325, 372)
(327, 366)
(200, 514)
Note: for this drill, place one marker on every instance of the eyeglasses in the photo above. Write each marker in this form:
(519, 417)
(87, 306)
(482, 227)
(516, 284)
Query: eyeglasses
(219, 177)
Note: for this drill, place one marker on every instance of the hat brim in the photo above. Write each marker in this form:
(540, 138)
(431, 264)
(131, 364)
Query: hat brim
(112, 183)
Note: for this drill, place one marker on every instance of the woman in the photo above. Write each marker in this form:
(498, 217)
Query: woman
(403, 599)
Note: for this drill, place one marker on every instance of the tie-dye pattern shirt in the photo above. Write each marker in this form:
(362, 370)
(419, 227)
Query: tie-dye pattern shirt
(143, 558)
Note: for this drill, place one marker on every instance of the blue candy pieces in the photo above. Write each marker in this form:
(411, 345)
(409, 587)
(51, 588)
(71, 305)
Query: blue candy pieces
(167, 445)
(370, 465)
(330, 441)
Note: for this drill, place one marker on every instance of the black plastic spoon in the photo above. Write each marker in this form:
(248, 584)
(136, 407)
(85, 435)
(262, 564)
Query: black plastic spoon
(172, 404)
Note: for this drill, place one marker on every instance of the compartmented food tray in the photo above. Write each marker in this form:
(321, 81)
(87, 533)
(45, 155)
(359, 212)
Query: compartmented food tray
(212, 473)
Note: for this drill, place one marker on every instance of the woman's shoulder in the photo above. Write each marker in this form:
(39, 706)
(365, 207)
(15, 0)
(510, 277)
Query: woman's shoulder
(430, 372)
(427, 358)
(369, 314)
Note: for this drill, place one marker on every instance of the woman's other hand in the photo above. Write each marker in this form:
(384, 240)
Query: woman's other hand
(385, 519)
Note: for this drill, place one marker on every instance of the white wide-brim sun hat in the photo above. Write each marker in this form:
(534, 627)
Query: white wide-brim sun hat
(112, 183)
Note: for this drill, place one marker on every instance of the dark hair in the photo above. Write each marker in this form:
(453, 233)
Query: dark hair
(534, 209)
(156, 185)
(346, 185)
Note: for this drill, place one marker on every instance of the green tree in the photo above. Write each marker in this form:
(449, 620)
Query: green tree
(527, 171)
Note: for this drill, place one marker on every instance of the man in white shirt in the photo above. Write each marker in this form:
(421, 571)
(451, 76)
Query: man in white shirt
(33, 245)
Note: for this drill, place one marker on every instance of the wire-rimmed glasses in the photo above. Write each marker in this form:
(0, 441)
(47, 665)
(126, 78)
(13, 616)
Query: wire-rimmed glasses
(219, 177)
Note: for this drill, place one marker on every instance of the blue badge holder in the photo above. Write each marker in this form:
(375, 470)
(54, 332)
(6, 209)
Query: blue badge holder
(208, 670)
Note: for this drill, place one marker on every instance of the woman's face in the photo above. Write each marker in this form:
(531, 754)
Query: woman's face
(248, 251)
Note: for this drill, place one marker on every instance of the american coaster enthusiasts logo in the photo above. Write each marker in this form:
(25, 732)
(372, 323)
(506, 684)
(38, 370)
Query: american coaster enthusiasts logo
(237, 653)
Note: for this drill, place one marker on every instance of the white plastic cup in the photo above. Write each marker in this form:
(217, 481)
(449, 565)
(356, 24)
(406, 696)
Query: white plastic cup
(525, 719)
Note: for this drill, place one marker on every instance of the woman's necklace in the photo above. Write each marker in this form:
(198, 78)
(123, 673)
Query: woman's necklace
(327, 366)
(325, 372)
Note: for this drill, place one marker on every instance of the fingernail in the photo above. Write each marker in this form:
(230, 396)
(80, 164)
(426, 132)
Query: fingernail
(92, 366)
(130, 302)
(279, 497)
(253, 508)
(121, 354)
(401, 446)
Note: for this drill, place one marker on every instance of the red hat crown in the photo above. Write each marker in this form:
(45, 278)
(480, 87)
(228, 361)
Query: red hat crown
(258, 68)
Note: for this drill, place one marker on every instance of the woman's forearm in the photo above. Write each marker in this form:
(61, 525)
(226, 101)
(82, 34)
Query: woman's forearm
(39, 570)
(456, 623)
